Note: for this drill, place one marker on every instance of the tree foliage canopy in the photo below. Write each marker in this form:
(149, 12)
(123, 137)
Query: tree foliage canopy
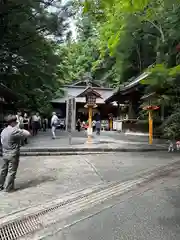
(28, 59)
(116, 40)
(136, 35)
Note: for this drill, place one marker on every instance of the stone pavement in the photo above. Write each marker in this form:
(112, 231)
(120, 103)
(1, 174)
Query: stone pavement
(107, 141)
(45, 139)
(44, 179)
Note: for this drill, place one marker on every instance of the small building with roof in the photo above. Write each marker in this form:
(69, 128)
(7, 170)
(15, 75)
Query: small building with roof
(75, 91)
(128, 97)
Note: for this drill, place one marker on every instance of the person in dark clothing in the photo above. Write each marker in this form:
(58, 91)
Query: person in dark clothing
(98, 117)
(98, 124)
(26, 125)
(36, 123)
(44, 124)
(98, 127)
(79, 125)
(94, 125)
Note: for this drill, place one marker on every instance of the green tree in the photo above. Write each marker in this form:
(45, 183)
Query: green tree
(140, 33)
(79, 56)
(28, 60)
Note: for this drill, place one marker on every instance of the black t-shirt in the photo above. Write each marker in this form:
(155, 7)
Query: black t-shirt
(25, 120)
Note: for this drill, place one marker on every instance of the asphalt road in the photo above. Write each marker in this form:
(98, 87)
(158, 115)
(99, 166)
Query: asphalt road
(56, 176)
(149, 212)
(152, 214)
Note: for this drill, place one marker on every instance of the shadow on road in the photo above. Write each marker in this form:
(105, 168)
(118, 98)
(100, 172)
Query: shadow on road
(34, 182)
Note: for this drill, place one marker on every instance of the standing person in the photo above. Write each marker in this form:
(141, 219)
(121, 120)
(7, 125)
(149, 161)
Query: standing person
(98, 124)
(39, 123)
(30, 124)
(79, 125)
(19, 119)
(36, 123)
(54, 123)
(98, 127)
(44, 124)
(94, 125)
(26, 125)
(33, 123)
(11, 138)
(62, 124)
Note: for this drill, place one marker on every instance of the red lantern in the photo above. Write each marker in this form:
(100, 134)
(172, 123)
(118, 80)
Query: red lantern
(156, 107)
(150, 107)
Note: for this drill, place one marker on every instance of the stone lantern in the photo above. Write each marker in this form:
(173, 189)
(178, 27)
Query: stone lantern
(91, 99)
(91, 95)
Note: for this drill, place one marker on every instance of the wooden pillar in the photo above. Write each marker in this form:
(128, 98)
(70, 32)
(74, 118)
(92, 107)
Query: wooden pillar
(150, 127)
(89, 125)
(110, 124)
(90, 117)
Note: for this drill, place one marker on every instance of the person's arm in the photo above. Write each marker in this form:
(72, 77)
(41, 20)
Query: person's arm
(20, 133)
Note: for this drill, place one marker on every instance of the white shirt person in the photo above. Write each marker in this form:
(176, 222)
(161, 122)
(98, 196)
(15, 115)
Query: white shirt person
(54, 123)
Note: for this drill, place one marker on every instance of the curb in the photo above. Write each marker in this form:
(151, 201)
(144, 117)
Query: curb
(84, 151)
(32, 154)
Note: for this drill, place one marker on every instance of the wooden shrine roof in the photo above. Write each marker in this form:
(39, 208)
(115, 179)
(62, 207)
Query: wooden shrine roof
(75, 91)
(127, 88)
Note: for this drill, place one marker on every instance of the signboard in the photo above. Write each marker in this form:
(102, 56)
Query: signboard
(69, 114)
(70, 117)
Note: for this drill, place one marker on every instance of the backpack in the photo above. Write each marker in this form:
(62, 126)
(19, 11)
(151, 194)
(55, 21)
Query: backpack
(55, 121)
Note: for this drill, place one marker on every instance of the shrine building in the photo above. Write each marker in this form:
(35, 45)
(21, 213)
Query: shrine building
(79, 110)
